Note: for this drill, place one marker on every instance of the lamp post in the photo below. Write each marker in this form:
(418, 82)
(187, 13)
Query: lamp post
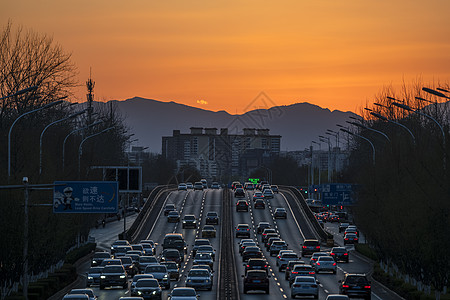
(393, 122)
(73, 131)
(15, 121)
(327, 139)
(45, 129)
(314, 142)
(335, 134)
(80, 148)
(366, 139)
(368, 128)
(436, 93)
(27, 90)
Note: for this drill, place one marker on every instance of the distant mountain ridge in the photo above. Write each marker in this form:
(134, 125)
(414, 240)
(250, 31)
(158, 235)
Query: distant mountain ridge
(298, 124)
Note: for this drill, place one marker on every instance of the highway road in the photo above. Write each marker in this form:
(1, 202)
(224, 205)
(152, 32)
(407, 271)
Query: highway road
(293, 230)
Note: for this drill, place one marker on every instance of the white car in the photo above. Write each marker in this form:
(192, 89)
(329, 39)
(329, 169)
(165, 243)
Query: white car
(268, 194)
(183, 293)
(325, 263)
(283, 259)
(305, 286)
(182, 187)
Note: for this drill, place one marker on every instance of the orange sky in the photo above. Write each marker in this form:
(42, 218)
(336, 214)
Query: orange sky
(219, 55)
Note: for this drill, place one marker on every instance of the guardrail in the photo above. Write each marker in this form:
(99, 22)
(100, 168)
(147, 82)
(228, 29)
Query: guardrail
(309, 214)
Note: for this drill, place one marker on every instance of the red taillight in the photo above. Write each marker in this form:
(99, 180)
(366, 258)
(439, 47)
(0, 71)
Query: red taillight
(265, 266)
(334, 264)
(248, 229)
(312, 272)
(345, 253)
(318, 263)
(346, 239)
(345, 286)
(317, 247)
(332, 254)
(304, 247)
(248, 266)
(367, 287)
(293, 272)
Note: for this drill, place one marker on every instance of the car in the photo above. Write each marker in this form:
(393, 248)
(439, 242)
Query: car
(310, 246)
(274, 188)
(268, 194)
(147, 288)
(88, 292)
(242, 230)
(251, 252)
(351, 229)
(248, 186)
(198, 186)
(350, 238)
(134, 253)
(135, 280)
(301, 270)
(258, 195)
(238, 186)
(198, 243)
(189, 185)
(199, 279)
(183, 293)
(355, 285)
(170, 255)
(207, 249)
(234, 184)
(207, 267)
(76, 297)
(266, 232)
(284, 259)
(168, 208)
(242, 205)
(148, 249)
(204, 183)
(173, 217)
(182, 187)
(129, 265)
(256, 280)
(270, 240)
(290, 265)
(305, 286)
(172, 269)
(316, 256)
(246, 244)
(261, 226)
(239, 193)
(144, 261)
(98, 258)
(276, 246)
(93, 276)
(333, 218)
(256, 264)
(259, 203)
(160, 273)
(118, 243)
(111, 261)
(189, 221)
(339, 254)
(215, 185)
(208, 231)
(343, 226)
(203, 259)
(337, 297)
(212, 217)
(325, 263)
(145, 243)
(113, 275)
(280, 213)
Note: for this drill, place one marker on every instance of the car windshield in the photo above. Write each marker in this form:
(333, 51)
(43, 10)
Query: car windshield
(113, 269)
(208, 228)
(289, 255)
(304, 279)
(302, 268)
(202, 256)
(102, 255)
(256, 274)
(355, 280)
(147, 259)
(201, 242)
(125, 260)
(189, 218)
(184, 292)
(205, 248)
(326, 258)
(172, 254)
(141, 276)
(95, 270)
(90, 293)
(158, 269)
(147, 283)
(198, 273)
(171, 265)
(211, 214)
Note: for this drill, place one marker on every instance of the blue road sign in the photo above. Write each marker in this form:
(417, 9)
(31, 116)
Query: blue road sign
(85, 197)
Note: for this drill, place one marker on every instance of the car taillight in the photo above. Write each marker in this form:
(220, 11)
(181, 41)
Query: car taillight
(318, 263)
(345, 253)
(332, 254)
(304, 247)
(265, 266)
(345, 286)
(367, 286)
(334, 264)
(293, 272)
(317, 247)
(248, 229)
(346, 239)
(312, 272)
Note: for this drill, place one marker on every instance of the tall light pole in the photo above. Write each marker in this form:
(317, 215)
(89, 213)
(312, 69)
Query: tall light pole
(27, 90)
(368, 128)
(327, 140)
(320, 150)
(15, 121)
(73, 131)
(396, 123)
(45, 129)
(80, 148)
(366, 139)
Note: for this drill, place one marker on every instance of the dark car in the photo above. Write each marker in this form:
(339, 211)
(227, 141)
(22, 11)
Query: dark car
(198, 186)
(208, 231)
(98, 258)
(290, 265)
(198, 243)
(259, 203)
(189, 221)
(243, 230)
(355, 285)
(239, 192)
(242, 205)
(310, 246)
(212, 217)
(256, 280)
(113, 275)
(280, 213)
(168, 208)
(173, 217)
(339, 254)
(147, 289)
(261, 226)
(93, 276)
(350, 238)
(256, 264)
(130, 267)
(215, 185)
(171, 255)
(251, 252)
(266, 232)
(172, 269)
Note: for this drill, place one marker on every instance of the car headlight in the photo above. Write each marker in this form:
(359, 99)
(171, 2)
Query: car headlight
(189, 280)
(94, 261)
(139, 293)
(90, 277)
(165, 276)
(207, 280)
(122, 276)
(154, 292)
(102, 276)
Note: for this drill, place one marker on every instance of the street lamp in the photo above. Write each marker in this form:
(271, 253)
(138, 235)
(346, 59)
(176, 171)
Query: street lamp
(29, 89)
(327, 140)
(80, 148)
(45, 129)
(366, 139)
(388, 120)
(435, 93)
(368, 128)
(73, 131)
(15, 121)
(314, 142)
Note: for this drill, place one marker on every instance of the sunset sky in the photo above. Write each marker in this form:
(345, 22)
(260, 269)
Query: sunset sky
(219, 55)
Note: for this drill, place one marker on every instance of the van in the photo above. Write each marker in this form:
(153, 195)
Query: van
(175, 241)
